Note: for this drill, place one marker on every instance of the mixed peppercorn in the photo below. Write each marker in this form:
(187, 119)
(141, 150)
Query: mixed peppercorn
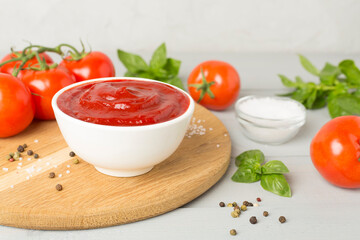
(237, 209)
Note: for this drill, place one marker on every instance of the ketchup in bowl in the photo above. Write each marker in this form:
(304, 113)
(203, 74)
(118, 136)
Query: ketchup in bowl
(123, 102)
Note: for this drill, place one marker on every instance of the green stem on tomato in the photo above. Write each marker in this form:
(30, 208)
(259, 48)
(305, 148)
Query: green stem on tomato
(203, 87)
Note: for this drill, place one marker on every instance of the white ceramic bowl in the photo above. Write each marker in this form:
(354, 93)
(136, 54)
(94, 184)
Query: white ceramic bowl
(122, 151)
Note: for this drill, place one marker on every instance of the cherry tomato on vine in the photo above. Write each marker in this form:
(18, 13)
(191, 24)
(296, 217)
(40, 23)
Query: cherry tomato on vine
(43, 85)
(92, 65)
(335, 151)
(8, 68)
(214, 84)
(16, 106)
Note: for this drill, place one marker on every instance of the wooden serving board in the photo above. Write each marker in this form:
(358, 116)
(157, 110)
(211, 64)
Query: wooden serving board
(89, 199)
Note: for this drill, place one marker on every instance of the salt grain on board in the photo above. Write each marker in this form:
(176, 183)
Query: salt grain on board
(55, 166)
(67, 171)
(36, 141)
(218, 145)
(20, 163)
(20, 158)
(67, 166)
(12, 186)
(27, 178)
(47, 164)
(5, 169)
(60, 175)
(18, 167)
(29, 159)
(210, 129)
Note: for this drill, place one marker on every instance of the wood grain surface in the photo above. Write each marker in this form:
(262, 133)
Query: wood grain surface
(89, 199)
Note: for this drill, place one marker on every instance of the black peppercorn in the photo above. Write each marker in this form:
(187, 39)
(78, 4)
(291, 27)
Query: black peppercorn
(36, 155)
(265, 213)
(59, 187)
(282, 219)
(222, 204)
(20, 148)
(30, 152)
(250, 204)
(25, 145)
(72, 154)
(246, 203)
(253, 220)
(51, 175)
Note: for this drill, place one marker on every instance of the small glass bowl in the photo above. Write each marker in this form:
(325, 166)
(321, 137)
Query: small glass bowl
(269, 130)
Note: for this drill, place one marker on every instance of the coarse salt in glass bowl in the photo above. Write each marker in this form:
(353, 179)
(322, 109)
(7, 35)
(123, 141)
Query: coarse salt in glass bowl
(270, 120)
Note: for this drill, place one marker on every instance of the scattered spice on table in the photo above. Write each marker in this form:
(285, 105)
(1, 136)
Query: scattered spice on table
(76, 161)
(243, 208)
(72, 154)
(59, 187)
(36, 155)
(246, 203)
(233, 232)
(258, 199)
(221, 204)
(229, 205)
(265, 214)
(282, 219)
(256, 205)
(235, 214)
(253, 220)
(51, 175)
(20, 148)
(30, 152)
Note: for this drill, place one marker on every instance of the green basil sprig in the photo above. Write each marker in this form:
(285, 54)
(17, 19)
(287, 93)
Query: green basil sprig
(160, 67)
(250, 169)
(338, 87)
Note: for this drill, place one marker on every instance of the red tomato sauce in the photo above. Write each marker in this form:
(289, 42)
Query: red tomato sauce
(123, 102)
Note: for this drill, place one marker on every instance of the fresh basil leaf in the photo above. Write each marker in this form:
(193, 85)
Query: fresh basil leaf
(134, 63)
(356, 93)
(320, 101)
(299, 81)
(343, 105)
(274, 166)
(349, 69)
(175, 82)
(329, 74)
(172, 66)
(301, 94)
(311, 99)
(245, 175)
(158, 59)
(252, 164)
(308, 65)
(160, 74)
(256, 155)
(287, 82)
(276, 183)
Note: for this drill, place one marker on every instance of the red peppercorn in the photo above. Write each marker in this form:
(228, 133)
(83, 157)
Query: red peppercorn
(11, 159)
(258, 199)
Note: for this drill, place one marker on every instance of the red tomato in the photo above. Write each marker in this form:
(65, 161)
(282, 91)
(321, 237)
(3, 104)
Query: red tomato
(221, 87)
(16, 106)
(44, 84)
(8, 68)
(335, 151)
(93, 65)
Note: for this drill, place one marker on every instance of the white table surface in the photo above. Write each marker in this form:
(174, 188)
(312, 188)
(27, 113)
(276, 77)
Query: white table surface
(317, 210)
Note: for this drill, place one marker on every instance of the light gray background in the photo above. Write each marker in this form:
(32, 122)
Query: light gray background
(260, 38)
(186, 25)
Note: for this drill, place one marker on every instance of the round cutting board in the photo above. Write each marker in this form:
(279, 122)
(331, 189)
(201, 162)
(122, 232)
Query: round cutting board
(89, 199)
